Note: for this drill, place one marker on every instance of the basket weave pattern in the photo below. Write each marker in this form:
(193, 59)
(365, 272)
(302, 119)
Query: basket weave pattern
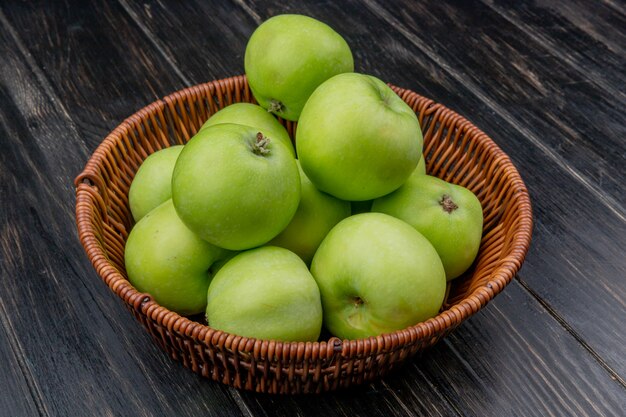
(455, 150)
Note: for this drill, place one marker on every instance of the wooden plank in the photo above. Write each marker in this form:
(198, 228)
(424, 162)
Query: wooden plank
(19, 395)
(85, 53)
(587, 36)
(558, 108)
(513, 358)
(370, 400)
(212, 44)
(85, 352)
(400, 67)
(602, 23)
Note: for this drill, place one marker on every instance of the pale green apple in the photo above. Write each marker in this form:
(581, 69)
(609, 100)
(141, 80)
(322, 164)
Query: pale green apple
(235, 189)
(356, 139)
(152, 184)
(167, 260)
(448, 215)
(421, 167)
(377, 274)
(266, 293)
(288, 56)
(249, 114)
(366, 206)
(317, 213)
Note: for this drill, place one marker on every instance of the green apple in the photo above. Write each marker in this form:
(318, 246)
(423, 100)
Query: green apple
(152, 184)
(421, 167)
(377, 274)
(366, 205)
(234, 188)
(450, 216)
(317, 213)
(167, 260)
(249, 114)
(266, 293)
(356, 139)
(288, 56)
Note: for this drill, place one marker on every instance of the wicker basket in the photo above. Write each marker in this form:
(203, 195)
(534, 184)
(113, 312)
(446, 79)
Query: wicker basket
(455, 151)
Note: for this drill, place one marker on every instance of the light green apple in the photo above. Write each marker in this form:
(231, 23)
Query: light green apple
(377, 274)
(234, 188)
(356, 139)
(288, 56)
(317, 213)
(266, 293)
(167, 260)
(359, 207)
(152, 184)
(421, 167)
(249, 114)
(448, 215)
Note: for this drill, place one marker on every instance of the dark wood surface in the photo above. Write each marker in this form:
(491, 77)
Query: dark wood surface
(546, 80)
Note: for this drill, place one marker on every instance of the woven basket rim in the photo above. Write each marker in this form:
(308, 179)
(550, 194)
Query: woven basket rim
(87, 183)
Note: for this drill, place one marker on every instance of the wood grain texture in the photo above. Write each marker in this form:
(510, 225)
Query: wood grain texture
(492, 358)
(19, 394)
(555, 30)
(70, 74)
(85, 352)
(557, 107)
(86, 53)
(603, 23)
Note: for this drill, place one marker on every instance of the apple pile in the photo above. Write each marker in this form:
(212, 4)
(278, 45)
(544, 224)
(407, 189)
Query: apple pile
(345, 231)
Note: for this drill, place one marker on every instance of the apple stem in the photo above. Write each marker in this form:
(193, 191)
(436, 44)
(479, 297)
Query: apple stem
(358, 301)
(260, 146)
(275, 106)
(447, 204)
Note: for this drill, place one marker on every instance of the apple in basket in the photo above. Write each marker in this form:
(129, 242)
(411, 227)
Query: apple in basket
(356, 139)
(317, 213)
(249, 114)
(421, 167)
(166, 259)
(266, 293)
(288, 56)
(377, 274)
(449, 215)
(365, 206)
(235, 188)
(152, 184)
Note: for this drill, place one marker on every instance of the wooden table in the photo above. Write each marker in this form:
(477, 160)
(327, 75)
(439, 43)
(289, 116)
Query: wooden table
(546, 80)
